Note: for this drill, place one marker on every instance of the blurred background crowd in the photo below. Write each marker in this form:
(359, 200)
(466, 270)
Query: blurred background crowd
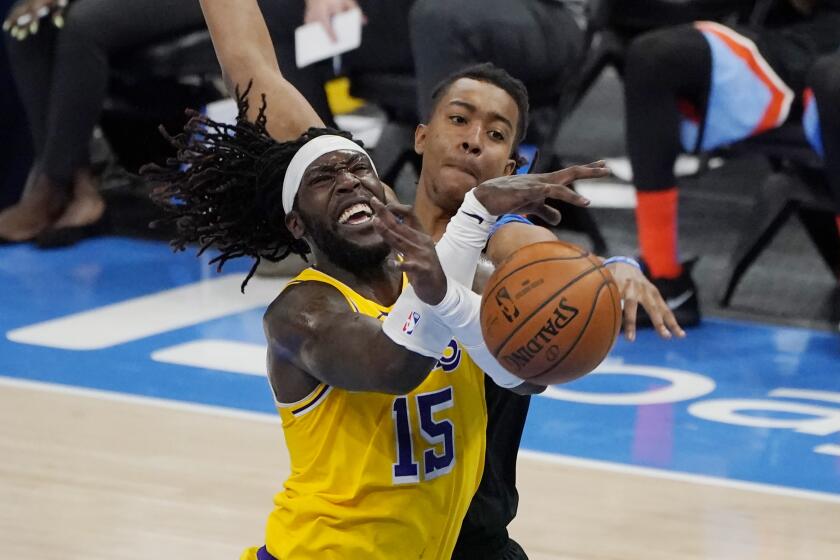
(720, 118)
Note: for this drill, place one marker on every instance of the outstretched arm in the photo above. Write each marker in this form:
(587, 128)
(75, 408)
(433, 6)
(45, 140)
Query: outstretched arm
(314, 337)
(246, 55)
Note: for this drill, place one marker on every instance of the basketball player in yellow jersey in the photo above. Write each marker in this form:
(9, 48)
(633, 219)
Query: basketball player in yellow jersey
(384, 415)
(376, 475)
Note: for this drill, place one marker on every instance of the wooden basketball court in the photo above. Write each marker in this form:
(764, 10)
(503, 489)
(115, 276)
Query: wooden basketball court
(90, 475)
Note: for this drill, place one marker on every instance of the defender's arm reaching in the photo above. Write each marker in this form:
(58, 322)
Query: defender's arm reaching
(246, 55)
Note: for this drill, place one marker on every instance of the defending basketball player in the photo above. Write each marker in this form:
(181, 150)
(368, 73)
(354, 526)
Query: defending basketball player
(347, 335)
(479, 116)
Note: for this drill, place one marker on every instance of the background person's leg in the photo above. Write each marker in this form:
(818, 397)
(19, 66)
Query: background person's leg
(662, 67)
(66, 105)
(16, 158)
(824, 80)
(30, 64)
(94, 31)
(385, 39)
(533, 40)
(30, 68)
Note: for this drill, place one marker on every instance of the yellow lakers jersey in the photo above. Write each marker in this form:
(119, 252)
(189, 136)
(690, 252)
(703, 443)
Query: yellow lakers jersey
(378, 476)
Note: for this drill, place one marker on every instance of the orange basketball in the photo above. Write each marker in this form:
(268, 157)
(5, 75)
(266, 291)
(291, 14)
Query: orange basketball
(550, 313)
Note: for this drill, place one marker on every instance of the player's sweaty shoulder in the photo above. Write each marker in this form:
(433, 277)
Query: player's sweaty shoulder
(290, 322)
(295, 311)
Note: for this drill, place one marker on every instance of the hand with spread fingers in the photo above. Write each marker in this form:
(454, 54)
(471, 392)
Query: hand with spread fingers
(401, 230)
(527, 194)
(636, 289)
(24, 19)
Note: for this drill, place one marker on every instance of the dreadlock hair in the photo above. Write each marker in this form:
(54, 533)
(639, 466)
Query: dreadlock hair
(490, 73)
(224, 187)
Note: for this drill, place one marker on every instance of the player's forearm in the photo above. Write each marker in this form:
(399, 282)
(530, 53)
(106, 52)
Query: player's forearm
(513, 236)
(459, 250)
(356, 355)
(240, 38)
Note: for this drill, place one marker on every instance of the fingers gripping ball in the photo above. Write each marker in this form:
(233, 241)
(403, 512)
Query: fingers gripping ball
(550, 313)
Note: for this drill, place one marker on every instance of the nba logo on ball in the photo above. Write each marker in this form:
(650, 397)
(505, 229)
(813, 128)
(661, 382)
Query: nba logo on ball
(551, 312)
(505, 302)
(411, 322)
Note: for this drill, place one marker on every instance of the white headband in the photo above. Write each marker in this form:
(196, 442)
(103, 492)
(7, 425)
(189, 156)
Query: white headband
(311, 151)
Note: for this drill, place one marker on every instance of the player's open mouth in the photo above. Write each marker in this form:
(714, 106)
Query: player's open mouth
(359, 213)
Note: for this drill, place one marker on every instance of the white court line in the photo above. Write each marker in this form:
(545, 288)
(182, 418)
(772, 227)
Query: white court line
(135, 399)
(152, 314)
(593, 464)
(524, 453)
(828, 449)
(607, 194)
(224, 355)
(685, 164)
(621, 194)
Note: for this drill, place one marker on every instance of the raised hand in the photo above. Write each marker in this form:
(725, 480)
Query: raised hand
(401, 230)
(527, 194)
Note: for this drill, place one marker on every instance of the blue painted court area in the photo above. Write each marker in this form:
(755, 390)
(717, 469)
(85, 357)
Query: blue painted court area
(734, 400)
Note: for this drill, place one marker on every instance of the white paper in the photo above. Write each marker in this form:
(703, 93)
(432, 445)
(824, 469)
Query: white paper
(313, 44)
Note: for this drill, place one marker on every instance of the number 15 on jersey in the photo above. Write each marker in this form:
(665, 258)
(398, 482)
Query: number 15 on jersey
(406, 469)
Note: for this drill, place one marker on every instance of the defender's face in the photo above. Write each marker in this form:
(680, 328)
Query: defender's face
(468, 139)
(335, 195)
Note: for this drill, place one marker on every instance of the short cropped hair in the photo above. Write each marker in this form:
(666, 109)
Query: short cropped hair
(499, 77)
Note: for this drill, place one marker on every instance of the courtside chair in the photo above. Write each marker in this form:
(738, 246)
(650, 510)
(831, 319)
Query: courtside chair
(796, 186)
(151, 86)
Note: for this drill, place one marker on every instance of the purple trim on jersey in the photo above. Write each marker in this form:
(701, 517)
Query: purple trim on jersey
(313, 402)
(263, 554)
(811, 123)
(743, 90)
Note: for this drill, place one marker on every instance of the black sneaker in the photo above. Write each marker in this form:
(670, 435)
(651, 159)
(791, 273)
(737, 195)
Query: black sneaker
(679, 293)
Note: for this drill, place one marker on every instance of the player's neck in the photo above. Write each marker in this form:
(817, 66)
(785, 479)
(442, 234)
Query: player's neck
(381, 284)
(432, 217)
